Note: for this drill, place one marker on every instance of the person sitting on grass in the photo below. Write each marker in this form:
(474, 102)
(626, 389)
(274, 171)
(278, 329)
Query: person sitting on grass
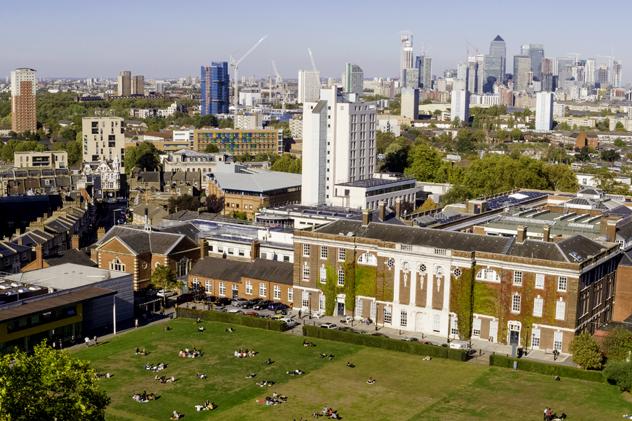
(200, 328)
(370, 381)
(201, 376)
(269, 361)
(296, 372)
(308, 344)
(251, 375)
(229, 330)
(350, 364)
(206, 406)
(265, 383)
(175, 415)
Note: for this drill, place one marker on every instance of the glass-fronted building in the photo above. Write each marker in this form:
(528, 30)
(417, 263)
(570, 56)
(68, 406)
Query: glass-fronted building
(215, 85)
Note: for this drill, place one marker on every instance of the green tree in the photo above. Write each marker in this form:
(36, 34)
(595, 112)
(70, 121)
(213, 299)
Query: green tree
(619, 127)
(586, 352)
(583, 155)
(208, 120)
(214, 204)
(396, 156)
(287, 163)
(163, 278)
(619, 373)
(49, 385)
(183, 202)
(618, 142)
(211, 148)
(618, 344)
(610, 155)
(143, 156)
(425, 164)
(73, 148)
(562, 178)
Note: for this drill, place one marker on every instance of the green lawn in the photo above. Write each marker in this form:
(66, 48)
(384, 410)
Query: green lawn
(407, 387)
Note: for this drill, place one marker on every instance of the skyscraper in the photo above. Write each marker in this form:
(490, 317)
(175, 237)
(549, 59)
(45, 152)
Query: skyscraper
(406, 54)
(336, 149)
(308, 86)
(616, 74)
(410, 103)
(602, 76)
(124, 83)
(544, 111)
(498, 59)
(353, 79)
(426, 74)
(565, 69)
(536, 54)
(589, 71)
(547, 76)
(23, 89)
(460, 105)
(214, 87)
(138, 85)
(521, 72)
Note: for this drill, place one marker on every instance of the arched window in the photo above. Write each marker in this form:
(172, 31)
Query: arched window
(367, 259)
(182, 267)
(117, 265)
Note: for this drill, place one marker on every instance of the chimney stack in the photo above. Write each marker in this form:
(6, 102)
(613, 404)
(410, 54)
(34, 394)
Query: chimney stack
(39, 257)
(521, 234)
(255, 247)
(100, 233)
(398, 207)
(546, 234)
(74, 242)
(366, 217)
(381, 213)
(611, 231)
(203, 248)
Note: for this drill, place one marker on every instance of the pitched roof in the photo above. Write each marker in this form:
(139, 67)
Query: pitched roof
(234, 270)
(498, 38)
(141, 241)
(77, 257)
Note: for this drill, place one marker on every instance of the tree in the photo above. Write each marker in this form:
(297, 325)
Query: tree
(183, 202)
(214, 204)
(208, 120)
(396, 156)
(211, 148)
(618, 345)
(610, 155)
(49, 385)
(586, 352)
(619, 373)
(287, 163)
(73, 148)
(425, 164)
(618, 142)
(619, 127)
(583, 155)
(143, 156)
(163, 278)
(562, 178)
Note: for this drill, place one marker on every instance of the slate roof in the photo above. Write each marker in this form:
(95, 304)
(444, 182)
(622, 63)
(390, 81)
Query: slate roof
(77, 257)
(141, 241)
(234, 270)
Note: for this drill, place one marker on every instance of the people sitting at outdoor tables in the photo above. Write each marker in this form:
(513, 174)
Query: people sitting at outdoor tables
(155, 367)
(141, 352)
(163, 379)
(201, 376)
(370, 381)
(175, 415)
(245, 353)
(265, 383)
(189, 353)
(206, 406)
(296, 372)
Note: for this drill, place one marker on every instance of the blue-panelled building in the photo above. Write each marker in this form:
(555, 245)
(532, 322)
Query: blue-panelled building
(215, 84)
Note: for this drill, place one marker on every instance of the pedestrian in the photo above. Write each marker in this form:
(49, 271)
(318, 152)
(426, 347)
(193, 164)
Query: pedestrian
(136, 323)
(300, 314)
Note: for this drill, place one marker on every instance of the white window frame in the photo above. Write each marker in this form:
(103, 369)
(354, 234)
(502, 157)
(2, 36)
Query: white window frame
(222, 289)
(558, 340)
(517, 278)
(454, 326)
(324, 252)
(341, 277)
(248, 287)
(208, 287)
(342, 255)
(276, 292)
(263, 289)
(388, 315)
(562, 283)
(476, 327)
(305, 299)
(560, 310)
(535, 337)
(403, 318)
(436, 323)
(516, 303)
(322, 274)
(488, 275)
(539, 281)
(538, 306)
(117, 265)
(305, 250)
(305, 271)
(290, 295)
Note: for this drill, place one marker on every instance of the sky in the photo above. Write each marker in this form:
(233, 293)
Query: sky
(160, 39)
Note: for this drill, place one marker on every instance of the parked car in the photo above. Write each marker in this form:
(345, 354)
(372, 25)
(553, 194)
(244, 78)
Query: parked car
(223, 301)
(239, 302)
(317, 315)
(262, 305)
(277, 306)
(234, 310)
(459, 345)
(328, 325)
(289, 322)
(410, 339)
(165, 294)
(277, 317)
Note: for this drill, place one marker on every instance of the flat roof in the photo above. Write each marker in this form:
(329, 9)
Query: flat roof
(66, 276)
(375, 182)
(259, 182)
(49, 302)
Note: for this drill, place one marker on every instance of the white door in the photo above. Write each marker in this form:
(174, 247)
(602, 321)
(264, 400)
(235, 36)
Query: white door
(493, 330)
(436, 323)
(419, 322)
(557, 341)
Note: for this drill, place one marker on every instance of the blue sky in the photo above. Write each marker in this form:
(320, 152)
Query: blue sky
(173, 38)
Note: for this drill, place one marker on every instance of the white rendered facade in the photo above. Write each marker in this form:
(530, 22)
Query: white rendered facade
(338, 144)
(308, 86)
(460, 105)
(103, 139)
(544, 111)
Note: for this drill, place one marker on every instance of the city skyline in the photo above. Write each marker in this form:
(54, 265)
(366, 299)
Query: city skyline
(160, 41)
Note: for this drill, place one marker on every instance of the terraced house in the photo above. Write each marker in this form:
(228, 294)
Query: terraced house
(514, 290)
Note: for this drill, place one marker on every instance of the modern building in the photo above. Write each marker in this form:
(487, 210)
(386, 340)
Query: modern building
(23, 104)
(590, 72)
(426, 73)
(498, 59)
(338, 144)
(239, 142)
(44, 159)
(62, 304)
(308, 86)
(460, 105)
(536, 54)
(124, 83)
(544, 111)
(353, 79)
(103, 140)
(514, 291)
(381, 189)
(138, 85)
(406, 55)
(521, 73)
(214, 88)
(409, 103)
(186, 160)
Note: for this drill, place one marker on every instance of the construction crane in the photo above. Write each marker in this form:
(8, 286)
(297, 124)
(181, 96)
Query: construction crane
(234, 63)
(280, 84)
(311, 58)
(279, 79)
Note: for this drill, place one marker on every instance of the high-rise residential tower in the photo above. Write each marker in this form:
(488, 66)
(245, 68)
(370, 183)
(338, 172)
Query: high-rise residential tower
(544, 111)
(460, 105)
(214, 87)
(353, 79)
(616, 74)
(497, 67)
(410, 103)
(406, 54)
(521, 72)
(308, 86)
(124, 83)
(103, 140)
(23, 89)
(590, 71)
(138, 85)
(426, 74)
(338, 144)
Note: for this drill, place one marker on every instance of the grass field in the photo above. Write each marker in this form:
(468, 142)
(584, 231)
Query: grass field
(407, 388)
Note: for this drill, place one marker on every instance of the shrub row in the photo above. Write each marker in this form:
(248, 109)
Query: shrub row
(545, 368)
(385, 343)
(235, 318)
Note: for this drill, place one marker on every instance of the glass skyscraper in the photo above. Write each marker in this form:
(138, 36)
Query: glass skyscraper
(214, 84)
(495, 62)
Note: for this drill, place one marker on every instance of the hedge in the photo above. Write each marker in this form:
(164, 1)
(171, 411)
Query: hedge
(545, 368)
(235, 318)
(385, 343)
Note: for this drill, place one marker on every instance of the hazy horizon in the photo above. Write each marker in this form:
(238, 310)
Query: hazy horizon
(70, 38)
